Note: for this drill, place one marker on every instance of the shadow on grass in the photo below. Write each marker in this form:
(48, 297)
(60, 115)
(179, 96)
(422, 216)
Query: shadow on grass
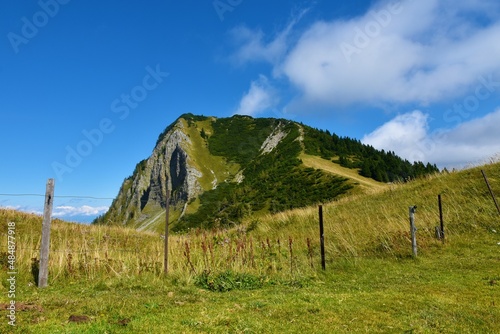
(35, 269)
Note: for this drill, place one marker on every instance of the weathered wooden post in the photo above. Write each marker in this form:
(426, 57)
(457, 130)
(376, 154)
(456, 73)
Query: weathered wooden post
(322, 237)
(441, 221)
(43, 273)
(491, 191)
(167, 211)
(413, 229)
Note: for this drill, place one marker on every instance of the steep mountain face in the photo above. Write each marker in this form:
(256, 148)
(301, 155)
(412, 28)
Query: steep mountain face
(219, 171)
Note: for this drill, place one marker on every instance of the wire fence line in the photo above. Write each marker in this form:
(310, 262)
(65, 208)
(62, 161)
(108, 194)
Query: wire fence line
(57, 196)
(78, 252)
(141, 201)
(161, 253)
(100, 198)
(271, 251)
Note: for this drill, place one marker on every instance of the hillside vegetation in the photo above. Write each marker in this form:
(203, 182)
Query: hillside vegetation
(264, 276)
(220, 171)
(273, 182)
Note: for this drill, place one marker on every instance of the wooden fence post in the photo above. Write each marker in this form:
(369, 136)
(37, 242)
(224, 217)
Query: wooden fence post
(441, 221)
(413, 230)
(167, 211)
(43, 274)
(491, 191)
(322, 238)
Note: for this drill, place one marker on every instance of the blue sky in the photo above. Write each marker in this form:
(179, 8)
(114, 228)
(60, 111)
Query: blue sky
(87, 86)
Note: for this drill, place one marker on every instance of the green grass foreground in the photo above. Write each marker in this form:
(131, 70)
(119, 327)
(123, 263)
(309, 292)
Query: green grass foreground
(265, 276)
(454, 290)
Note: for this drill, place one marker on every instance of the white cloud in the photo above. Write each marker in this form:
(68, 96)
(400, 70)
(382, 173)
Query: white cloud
(419, 52)
(260, 97)
(21, 208)
(402, 134)
(252, 46)
(413, 52)
(85, 210)
(469, 143)
(11, 207)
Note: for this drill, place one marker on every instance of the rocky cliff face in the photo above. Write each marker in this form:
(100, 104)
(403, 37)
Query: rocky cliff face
(215, 170)
(219, 171)
(143, 195)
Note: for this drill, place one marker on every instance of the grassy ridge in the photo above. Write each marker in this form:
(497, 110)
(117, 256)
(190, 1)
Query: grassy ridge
(372, 284)
(377, 225)
(251, 165)
(273, 182)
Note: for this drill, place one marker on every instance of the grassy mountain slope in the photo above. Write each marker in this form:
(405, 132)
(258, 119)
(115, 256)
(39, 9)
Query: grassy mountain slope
(371, 224)
(213, 167)
(273, 181)
(249, 166)
(269, 268)
(366, 184)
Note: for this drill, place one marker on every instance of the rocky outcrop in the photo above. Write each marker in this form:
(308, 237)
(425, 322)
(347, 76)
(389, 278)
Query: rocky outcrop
(144, 194)
(176, 164)
(274, 139)
(242, 166)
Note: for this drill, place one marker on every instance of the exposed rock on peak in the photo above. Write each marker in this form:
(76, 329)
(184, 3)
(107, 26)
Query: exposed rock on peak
(145, 191)
(274, 139)
(221, 170)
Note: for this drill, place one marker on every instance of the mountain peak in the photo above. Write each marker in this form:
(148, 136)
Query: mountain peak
(220, 170)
